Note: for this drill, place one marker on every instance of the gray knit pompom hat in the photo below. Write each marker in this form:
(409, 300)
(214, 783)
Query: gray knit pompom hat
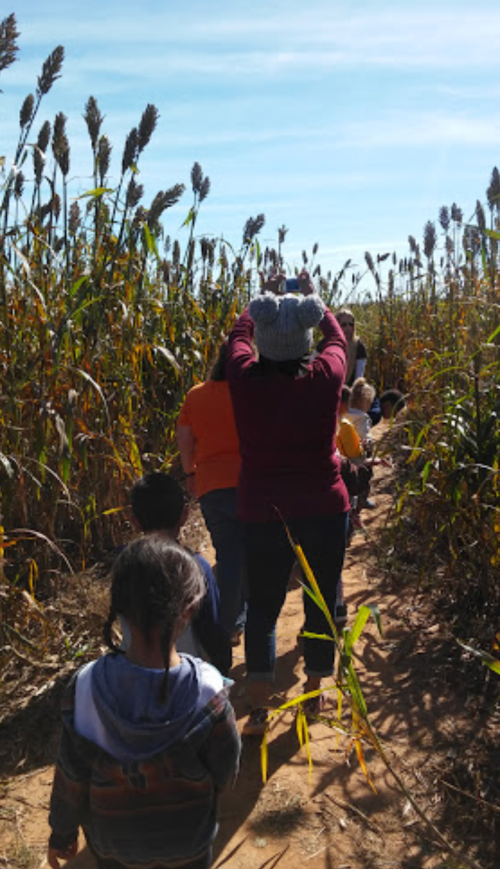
(284, 324)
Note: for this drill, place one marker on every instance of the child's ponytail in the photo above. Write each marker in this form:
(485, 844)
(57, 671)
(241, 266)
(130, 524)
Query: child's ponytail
(154, 582)
(108, 630)
(166, 643)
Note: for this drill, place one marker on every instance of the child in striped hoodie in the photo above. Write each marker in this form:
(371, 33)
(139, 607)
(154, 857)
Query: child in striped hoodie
(149, 737)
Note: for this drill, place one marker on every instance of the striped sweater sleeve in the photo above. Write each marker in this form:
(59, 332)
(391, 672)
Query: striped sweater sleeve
(70, 789)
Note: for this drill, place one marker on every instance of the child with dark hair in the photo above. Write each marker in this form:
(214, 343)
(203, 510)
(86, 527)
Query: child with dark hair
(149, 737)
(392, 401)
(158, 504)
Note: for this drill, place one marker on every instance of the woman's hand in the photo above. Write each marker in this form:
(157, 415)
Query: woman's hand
(56, 854)
(273, 284)
(306, 286)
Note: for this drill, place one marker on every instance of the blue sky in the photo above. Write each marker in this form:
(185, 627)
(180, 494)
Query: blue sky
(350, 123)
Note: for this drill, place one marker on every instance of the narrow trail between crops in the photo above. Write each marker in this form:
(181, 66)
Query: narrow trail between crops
(329, 817)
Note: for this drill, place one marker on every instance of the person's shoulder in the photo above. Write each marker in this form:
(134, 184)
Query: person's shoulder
(212, 685)
(360, 350)
(186, 407)
(202, 561)
(345, 422)
(208, 390)
(206, 569)
(214, 691)
(197, 389)
(211, 680)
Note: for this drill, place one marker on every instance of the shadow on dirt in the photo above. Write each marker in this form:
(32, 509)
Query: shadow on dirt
(238, 803)
(29, 737)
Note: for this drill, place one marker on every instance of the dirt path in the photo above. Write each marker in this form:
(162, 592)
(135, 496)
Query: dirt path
(331, 817)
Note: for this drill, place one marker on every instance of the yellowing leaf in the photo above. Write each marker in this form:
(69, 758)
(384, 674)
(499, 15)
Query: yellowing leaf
(263, 757)
(361, 758)
(33, 576)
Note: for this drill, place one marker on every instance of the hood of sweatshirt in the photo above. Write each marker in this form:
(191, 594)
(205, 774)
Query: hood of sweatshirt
(126, 699)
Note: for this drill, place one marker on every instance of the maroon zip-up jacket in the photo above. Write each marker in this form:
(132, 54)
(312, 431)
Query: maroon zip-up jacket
(287, 428)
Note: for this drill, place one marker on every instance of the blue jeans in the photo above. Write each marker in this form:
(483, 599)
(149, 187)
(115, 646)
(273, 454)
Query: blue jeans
(219, 511)
(268, 560)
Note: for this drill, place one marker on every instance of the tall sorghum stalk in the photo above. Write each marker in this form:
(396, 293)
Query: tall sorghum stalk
(150, 224)
(135, 143)
(251, 229)
(93, 118)
(282, 232)
(51, 71)
(200, 184)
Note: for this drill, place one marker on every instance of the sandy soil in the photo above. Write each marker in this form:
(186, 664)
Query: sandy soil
(328, 816)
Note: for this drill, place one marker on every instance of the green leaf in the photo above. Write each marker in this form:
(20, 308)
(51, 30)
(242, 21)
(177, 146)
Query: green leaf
(491, 232)
(190, 217)
(483, 258)
(425, 473)
(150, 240)
(493, 335)
(76, 286)
(95, 193)
(356, 692)
(362, 616)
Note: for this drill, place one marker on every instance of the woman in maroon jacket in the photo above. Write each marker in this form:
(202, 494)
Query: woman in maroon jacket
(286, 406)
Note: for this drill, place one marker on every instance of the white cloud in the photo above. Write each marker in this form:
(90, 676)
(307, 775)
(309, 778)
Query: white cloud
(221, 39)
(423, 129)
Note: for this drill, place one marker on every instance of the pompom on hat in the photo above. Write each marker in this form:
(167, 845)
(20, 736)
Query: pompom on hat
(284, 324)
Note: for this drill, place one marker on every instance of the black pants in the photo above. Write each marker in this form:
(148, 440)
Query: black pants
(269, 558)
(202, 862)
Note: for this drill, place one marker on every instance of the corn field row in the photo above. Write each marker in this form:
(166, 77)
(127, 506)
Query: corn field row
(105, 322)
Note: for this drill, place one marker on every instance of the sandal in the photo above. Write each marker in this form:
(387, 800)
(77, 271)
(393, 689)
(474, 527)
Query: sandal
(256, 723)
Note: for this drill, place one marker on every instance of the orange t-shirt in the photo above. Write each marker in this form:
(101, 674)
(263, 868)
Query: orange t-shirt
(208, 411)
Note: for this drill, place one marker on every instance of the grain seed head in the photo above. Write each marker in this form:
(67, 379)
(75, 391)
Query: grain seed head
(252, 227)
(205, 188)
(93, 119)
(147, 126)
(73, 225)
(429, 238)
(135, 193)
(26, 113)
(8, 37)
(51, 70)
(103, 157)
(131, 150)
